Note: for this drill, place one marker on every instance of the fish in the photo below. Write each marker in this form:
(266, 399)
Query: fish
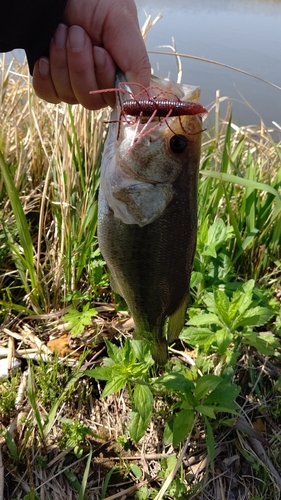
(147, 215)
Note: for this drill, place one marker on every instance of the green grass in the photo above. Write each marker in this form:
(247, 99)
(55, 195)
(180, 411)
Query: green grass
(93, 422)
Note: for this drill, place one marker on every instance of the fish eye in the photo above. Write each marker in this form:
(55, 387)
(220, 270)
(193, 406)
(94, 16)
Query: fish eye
(178, 143)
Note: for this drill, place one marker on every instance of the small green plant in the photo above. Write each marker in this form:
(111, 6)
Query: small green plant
(23, 254)
(31, 496)
(207, 396)
(145, 493)
(98, 274)
(78, 320)
(49, 379)
(45, 421)
(106, 480)
(128, 365)
(8, 393)
(230, 320)
(212, 262)
(11, 445)
(75, 483)
(177, 489)
(74, 434)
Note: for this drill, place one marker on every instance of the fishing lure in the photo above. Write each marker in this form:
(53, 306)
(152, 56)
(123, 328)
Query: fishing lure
(151, 107)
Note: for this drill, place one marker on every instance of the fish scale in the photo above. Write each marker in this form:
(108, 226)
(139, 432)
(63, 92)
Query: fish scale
(150, 262)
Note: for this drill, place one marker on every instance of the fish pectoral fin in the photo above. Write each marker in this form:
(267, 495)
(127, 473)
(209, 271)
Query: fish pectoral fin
(176, 320)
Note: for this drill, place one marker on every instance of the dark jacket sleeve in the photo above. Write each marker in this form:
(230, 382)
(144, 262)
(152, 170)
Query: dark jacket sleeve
(29, 25)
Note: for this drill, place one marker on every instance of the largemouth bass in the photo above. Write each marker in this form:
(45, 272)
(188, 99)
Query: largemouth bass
(147, 220)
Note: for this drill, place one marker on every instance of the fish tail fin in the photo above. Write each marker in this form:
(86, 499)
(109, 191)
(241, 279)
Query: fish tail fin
(176, 320)
(156, 341)
(159, 352)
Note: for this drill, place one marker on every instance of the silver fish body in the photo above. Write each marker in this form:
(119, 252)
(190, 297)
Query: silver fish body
(147, 220)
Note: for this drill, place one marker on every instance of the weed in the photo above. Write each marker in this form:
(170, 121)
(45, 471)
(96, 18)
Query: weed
(8, 397)
(46, 419)
(76, 320)
(209, 395)
(233, 320)
(74, 434)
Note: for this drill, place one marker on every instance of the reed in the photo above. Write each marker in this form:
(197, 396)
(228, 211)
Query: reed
(50, 161)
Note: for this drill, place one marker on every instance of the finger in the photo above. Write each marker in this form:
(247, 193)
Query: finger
(114, 26)
(59, 66)
(105, 70)
(42, 81)
(82, 69)
(123, 40)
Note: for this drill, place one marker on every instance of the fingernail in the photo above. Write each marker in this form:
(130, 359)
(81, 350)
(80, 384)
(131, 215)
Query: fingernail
(76, 38)
(99, 58)
(60, 35)
(44, 66)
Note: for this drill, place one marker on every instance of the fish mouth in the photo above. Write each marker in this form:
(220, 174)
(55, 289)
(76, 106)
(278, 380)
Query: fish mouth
(144, 112)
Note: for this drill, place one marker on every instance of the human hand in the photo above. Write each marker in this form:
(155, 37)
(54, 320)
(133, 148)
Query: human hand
(84, 52)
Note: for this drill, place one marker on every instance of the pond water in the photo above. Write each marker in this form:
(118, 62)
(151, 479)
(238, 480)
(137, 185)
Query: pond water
(243, 33)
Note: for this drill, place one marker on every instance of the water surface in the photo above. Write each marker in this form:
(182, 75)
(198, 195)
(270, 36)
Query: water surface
(241, 33)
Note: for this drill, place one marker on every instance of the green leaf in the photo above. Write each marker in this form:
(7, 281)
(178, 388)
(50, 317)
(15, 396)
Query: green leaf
(170, 465)
(85, 477)
(11, 445)
(182, 426)
(143, 401)
(114, 352)
(223, 338)
(145, 493)
(31, 393)
(206, 384)
(137, 427)
(54, 410)
(114, 385)
(210, 251)
(23, 231)
(198, 337)
(208, 411)
(176, 382)
(106, 480)
(241, 301)
(142, 351)
(136, 471)
(205, 319)
(196, 279)
(129, 356)
(168, 431)
(210, 440)
(101, 373)
(256, 316)
(226, 409)
(77, 321)
(241, 181)
(217, 234)
(265, 343)
(222, 306)
(223, 395)
(72, 478)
